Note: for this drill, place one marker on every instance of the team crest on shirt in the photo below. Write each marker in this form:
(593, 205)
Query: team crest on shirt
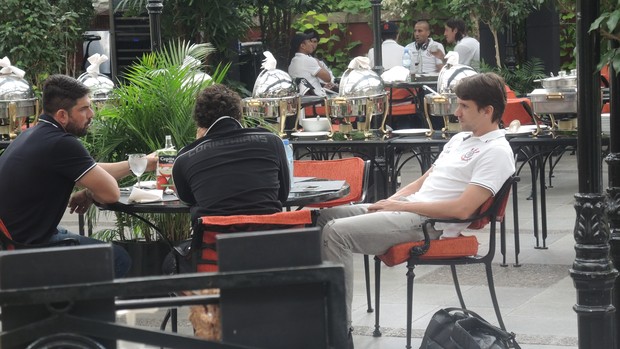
(470, 154)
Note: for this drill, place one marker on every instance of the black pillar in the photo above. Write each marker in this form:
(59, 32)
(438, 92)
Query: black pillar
(592, 271)
(511, 58)
(613, 162)
(154, 8)
(376, 31)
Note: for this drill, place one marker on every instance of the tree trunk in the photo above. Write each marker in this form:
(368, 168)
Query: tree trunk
(498, 60)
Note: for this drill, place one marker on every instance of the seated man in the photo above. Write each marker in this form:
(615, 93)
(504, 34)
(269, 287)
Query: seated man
(42, 165)
(468, 48)
(304, 66)
(423, 50)
(391, 51)
(314, 39)
(230, 170)
(472, 167)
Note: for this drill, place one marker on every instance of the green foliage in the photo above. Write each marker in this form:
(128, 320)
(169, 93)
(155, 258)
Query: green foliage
(332, 48)
(156, 99)
(521, 79)
(40, 36)
(607, 25)
(568, 40)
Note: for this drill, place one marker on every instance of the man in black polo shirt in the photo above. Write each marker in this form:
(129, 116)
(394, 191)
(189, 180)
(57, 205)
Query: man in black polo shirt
(42, 165)
(230, 170)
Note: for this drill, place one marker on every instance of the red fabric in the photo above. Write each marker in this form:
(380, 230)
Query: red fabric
(310, 111)
(349, 169)
(461, 246)
(515, 111)
(214, 225)
(509, 92)
(402, 102)
(606, 108)
(6, 233)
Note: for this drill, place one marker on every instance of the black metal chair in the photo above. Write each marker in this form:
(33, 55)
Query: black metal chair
(452, 252)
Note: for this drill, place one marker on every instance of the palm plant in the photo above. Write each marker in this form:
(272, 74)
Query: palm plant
(156, 99)
(521, 79)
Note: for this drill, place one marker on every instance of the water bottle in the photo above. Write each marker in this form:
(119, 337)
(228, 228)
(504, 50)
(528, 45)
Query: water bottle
(406, 59)
(288, 147)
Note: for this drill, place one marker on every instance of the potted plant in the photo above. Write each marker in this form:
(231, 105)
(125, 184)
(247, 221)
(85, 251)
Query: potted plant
(155, 99)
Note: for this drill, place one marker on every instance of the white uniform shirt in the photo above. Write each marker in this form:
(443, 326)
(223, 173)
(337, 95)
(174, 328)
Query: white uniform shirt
(485, 161)
(422, 61)
(391, 54)
(306, 66)
(469, 52)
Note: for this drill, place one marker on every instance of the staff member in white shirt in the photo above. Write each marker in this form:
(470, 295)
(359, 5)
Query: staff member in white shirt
(467, 47)
(424, 49)
(303, 65)
(391, 51)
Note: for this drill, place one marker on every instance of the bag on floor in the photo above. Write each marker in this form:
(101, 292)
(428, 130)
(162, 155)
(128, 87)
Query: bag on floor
(456, 328)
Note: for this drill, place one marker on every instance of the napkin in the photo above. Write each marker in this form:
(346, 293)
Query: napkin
(270, 62)
(145, 195)
(95, 61)
(8, 69)
(395, 74)
(452, 58)
(360, 62)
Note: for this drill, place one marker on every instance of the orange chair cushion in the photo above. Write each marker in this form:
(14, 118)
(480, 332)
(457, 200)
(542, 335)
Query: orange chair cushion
(462, 246)
(214, 225)
(402, 102)
(515, 111)
(509, 92)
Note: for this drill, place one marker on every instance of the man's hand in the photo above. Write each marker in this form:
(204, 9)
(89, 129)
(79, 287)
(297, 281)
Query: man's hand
(80, 201)
(387, 205)
(151, 161)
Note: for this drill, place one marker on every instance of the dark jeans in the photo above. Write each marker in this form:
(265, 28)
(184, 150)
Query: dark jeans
(122, 261)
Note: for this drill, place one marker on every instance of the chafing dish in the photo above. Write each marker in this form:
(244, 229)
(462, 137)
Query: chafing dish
(361, 96)
(17, 103)
(558, 95)
(274, 97)
(100, 86)
(443, 103)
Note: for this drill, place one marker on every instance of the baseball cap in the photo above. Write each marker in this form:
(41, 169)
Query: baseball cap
(389, 28)
(297, 39)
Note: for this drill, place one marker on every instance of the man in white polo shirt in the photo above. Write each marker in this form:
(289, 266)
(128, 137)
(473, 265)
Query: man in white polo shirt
(424, 49)
(472, 167)
(304, 66)
(467, 47)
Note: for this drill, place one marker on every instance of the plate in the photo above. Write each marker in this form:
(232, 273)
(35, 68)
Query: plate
(310, 134)
(526, 129)
(411, 131)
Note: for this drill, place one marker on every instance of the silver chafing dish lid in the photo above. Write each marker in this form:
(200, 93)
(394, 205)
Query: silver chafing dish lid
(14, 88)
(100, 86)
(274, 83)
(360, 83)
(450, 75)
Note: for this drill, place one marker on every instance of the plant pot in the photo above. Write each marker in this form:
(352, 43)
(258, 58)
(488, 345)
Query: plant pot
(147, 257)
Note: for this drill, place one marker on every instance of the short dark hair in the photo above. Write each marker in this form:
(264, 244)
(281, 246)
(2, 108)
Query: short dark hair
(312, 33)
(459, 25)
(62, 92)
(484, 89)
(214, 102)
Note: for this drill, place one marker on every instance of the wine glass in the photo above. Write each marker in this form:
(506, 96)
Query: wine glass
(137, 165)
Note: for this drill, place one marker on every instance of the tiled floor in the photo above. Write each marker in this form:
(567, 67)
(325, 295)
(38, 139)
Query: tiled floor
(536, 299)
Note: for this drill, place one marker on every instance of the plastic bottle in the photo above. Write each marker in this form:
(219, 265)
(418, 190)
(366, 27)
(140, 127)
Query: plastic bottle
(165, 160)
(288, 147)
(406, 59)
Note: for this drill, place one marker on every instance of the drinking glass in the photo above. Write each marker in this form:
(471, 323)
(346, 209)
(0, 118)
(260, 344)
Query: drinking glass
(137, 165)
